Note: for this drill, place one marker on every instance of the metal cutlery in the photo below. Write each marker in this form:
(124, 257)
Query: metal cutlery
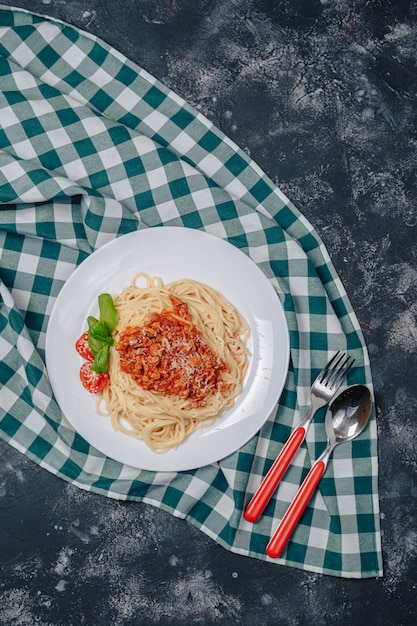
(345, 419)
(323, 390)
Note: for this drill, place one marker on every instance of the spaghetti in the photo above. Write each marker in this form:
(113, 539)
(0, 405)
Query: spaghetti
(178, 362)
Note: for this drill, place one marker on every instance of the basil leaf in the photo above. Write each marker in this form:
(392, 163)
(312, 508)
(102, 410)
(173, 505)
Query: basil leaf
(101, 362)
(91, 320)
(94, 344)
(108, 314)
(98, 331)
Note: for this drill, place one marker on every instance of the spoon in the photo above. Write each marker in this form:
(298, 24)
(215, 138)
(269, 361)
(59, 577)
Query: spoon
(345, 419)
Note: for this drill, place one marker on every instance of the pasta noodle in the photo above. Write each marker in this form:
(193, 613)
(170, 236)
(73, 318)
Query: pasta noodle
(179, 360)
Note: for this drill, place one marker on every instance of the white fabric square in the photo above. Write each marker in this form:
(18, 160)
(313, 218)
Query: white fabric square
(50, 78)
(350, 543)
(259, 254)
(61, 446)
(251, 223)
(342, 467)
(27, 217)
(94, 125)
(155, 120)
(34, 422)
(333, 325)
(210, 165)
(40, 399)
(127, 98)
(32, 195)
(62, 214)
(203, 199)
(59, 137)
(217, 229)
(347, 504)
(303, 322)
(101, 77)
(143, 145)
(63, 270)
(74, 56)
(75, 169)
(122, 189)
(298, 285)
(188, 169)
(294, 250)
(24, 80)
(25, 150)
(168, 210)
(24, 55)
(8, 398)
(5, 348)
(95, 464)
(317, 537)
(183, 143)
(12, 171)
(41, 107)
(48, 31)
(157, 177)
(27, 263)
(75, 96)
(110, 157)
(22, 297)
(8, 118)
(236, 189)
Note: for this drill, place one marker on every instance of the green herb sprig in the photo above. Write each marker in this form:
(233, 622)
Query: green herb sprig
(99, 332)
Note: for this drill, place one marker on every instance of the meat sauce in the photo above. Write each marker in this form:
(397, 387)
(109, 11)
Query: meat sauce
(168, 355)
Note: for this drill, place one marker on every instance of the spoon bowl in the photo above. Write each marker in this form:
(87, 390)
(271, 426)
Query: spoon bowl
(348, 414)
(345, 419)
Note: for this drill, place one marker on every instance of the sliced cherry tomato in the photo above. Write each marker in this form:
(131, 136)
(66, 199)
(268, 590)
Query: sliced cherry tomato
(93, 382)
(83, 348)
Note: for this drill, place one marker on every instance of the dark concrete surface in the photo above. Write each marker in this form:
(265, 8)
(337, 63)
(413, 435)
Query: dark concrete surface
(322, 94)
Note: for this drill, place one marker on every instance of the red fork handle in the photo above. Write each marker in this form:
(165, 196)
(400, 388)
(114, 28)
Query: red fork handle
(295, 510)
(267, 487)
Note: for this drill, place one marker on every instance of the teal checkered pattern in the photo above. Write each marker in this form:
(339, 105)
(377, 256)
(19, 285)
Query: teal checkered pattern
(93, 147)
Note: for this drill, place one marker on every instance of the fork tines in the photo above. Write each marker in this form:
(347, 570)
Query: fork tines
(336, 369)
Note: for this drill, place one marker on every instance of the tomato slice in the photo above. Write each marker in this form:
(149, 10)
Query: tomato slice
(83, 348)
(91, 380)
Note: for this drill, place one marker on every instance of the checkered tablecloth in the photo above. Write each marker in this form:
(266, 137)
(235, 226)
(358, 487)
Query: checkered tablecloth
(93, 147)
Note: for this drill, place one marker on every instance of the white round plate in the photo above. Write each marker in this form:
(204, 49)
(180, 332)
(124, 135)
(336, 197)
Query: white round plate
(171, 253)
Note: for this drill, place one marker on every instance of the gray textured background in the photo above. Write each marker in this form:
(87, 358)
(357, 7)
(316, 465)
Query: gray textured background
(322, 94)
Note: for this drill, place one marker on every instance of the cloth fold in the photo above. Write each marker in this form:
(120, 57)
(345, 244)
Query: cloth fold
(93, 147)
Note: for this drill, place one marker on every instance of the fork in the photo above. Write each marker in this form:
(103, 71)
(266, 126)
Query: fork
(322, 391)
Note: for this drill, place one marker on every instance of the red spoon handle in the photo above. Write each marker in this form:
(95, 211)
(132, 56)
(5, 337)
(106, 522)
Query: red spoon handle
(295, 510)
(267, 487)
